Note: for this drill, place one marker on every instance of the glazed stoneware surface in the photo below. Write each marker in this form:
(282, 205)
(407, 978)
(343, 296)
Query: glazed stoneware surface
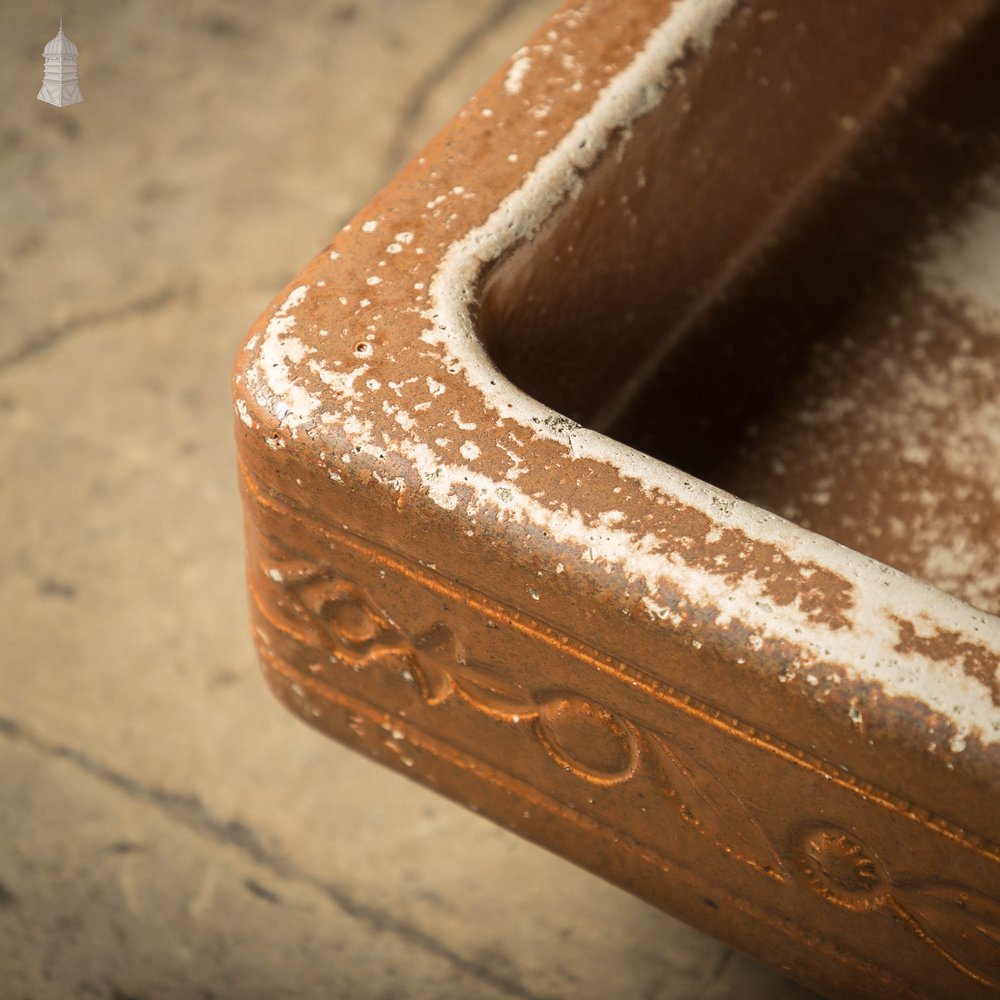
(638, 227)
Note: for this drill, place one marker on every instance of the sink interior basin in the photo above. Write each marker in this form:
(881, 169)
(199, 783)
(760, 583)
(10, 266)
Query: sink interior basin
(820, 336)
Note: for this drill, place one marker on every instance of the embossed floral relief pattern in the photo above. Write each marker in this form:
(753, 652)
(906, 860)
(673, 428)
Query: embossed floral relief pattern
(603, 748)
(959, 923)
(579, 735)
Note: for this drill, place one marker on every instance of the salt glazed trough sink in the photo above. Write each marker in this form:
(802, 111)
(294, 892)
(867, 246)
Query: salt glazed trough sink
(628, 470)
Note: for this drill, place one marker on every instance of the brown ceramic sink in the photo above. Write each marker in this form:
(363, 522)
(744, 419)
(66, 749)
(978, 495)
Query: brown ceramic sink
(629, 471)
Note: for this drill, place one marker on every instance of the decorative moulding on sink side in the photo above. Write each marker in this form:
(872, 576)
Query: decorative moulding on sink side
(779, 739)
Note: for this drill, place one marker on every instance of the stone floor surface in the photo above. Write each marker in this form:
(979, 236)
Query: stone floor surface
(166, 829)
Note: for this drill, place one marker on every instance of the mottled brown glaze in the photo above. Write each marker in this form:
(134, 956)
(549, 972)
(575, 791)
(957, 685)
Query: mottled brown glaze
(779, 739)
(864, 415)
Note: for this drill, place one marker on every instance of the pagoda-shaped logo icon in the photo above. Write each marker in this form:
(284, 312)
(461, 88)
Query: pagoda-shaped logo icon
(60, 86)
